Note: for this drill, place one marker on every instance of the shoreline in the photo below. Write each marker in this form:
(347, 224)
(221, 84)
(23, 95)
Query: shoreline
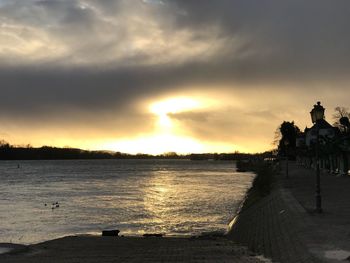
(266, 218)
(215, 233)
(11, 248)
(133, 249)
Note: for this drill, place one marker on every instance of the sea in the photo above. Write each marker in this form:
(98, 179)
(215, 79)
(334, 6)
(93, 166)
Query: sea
(44, 200)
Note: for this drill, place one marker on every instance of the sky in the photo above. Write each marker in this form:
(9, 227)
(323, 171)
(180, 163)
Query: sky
(156, 76)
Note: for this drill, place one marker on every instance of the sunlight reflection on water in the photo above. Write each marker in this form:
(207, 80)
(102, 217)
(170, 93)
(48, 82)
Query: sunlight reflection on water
(175, 197)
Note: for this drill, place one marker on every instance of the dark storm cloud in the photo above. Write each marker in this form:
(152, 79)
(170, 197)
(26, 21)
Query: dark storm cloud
(285, 37)
(97, 55)
(27, 91)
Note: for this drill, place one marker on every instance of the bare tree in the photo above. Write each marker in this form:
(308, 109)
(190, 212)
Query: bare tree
(341, 117)
(277, 137)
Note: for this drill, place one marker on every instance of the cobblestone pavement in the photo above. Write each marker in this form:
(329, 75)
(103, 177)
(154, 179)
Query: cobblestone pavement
(285, 227)
(327, 235)
(273, 227)
(129, 249)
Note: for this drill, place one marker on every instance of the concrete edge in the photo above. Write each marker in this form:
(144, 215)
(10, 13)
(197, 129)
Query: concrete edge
(13, 248)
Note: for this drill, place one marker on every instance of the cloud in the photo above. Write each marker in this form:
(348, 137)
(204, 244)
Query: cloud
(86, 33)
(156, 2)
(291, 36)
(100, 60)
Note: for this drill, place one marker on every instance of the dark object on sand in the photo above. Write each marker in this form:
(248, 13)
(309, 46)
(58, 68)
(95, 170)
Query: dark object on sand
(152, 235)
(110, 233)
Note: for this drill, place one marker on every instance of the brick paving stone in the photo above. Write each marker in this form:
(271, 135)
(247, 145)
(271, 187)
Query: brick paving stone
(331, 229)
(285, 226)
(132, 249)
(276, 226)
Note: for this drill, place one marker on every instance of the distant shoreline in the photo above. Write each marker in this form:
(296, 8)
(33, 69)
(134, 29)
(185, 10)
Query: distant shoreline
(11, 152)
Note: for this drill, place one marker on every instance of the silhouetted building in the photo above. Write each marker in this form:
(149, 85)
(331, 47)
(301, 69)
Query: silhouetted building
(325, 131)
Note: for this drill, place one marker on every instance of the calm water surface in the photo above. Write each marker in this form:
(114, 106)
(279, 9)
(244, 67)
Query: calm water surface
(176, 197)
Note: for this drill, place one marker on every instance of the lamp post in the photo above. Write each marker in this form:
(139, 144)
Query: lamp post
(286, 143)
(317, 114)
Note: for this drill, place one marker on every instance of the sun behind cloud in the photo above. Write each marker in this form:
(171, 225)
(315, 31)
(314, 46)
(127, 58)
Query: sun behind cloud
(166, 137)
(172, 105)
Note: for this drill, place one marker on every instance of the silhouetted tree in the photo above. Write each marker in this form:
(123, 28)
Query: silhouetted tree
(341, 118)
(4, 144)
(27, 152)
(288, 134)
(170, 154)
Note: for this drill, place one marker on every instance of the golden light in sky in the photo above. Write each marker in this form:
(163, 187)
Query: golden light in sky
(156, 144)
(126, 76)
(165, 137)
(172, 105)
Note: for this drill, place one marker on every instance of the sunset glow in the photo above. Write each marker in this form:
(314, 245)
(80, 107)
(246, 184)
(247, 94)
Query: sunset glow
(156, 144)
(165, 137)
(150, 119)
(172, 105)
(153, 76)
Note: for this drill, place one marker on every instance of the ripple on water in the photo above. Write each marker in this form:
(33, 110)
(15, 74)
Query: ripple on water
(135, 196)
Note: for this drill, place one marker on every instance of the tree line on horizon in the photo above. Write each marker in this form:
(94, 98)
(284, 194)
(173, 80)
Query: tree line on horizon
(11, 152)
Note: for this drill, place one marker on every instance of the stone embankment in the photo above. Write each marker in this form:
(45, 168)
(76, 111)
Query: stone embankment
(272, 222)
(93, 249)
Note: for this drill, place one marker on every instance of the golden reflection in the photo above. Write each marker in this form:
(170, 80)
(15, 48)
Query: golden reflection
(161, 190)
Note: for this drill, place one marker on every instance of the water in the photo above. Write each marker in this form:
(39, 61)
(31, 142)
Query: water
(175, 197)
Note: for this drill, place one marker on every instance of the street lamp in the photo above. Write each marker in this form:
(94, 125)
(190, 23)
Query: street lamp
(317, 114)
(286, 143)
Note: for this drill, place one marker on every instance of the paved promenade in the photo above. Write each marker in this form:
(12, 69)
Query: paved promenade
(129, 249)
(284, 226)
(327, 234)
